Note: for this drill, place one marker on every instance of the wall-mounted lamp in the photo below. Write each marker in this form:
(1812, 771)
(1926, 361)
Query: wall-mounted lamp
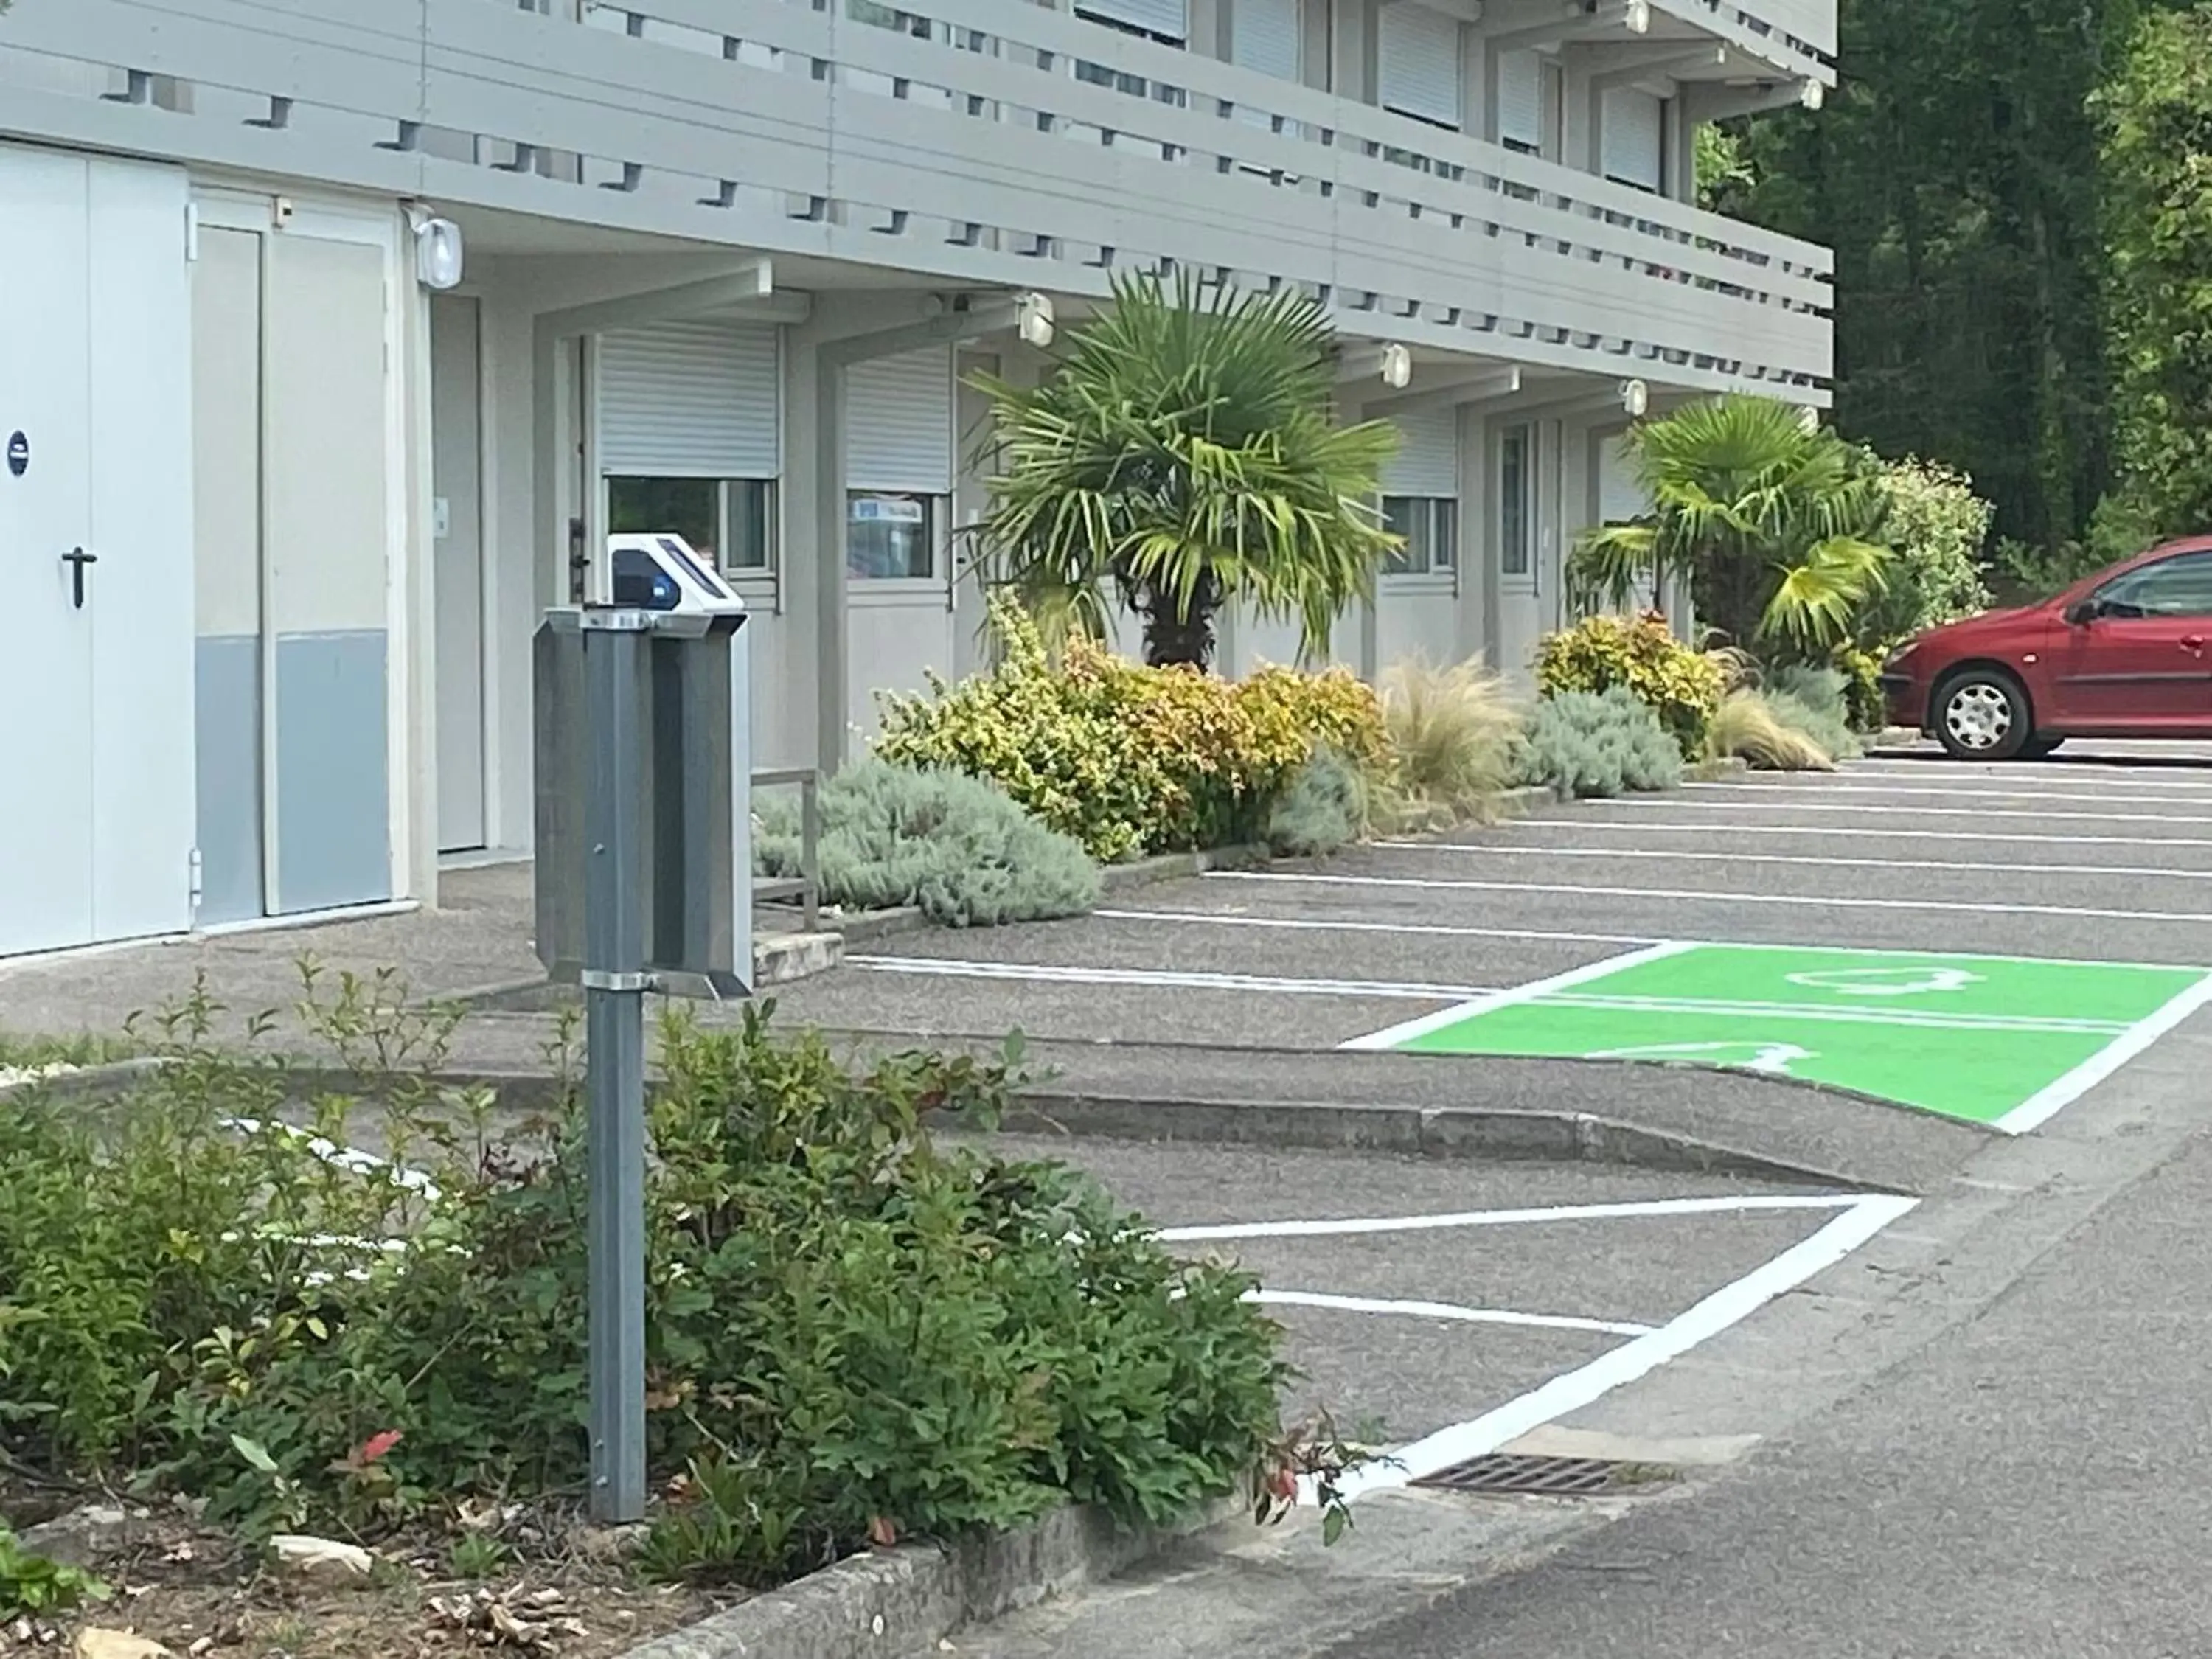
(1639, 17)
(1635, 398)
(1033, 319)
(1397, 367)
(438, 254)
(1811, 95)
(1808, 419)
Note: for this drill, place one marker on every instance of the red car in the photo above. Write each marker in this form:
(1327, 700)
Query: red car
(2121, 654)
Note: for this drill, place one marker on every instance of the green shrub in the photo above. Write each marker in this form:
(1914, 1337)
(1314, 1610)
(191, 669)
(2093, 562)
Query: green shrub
(1596, 744)
(1680, 685)
(1326, 807)
(1815, 700)
(853, 1329)
(1935, 526)
(1451, 735)
(1748, 727)
(1128, 759)
(953, 845)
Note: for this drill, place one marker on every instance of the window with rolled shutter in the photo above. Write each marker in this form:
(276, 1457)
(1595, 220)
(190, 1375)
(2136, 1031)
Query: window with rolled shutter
(1165, 18)
(1263, 37)
(688, 400)
(1417, 69)
(1521, 100)
(898, 423)
(1619, 497)
(1634, 130)
(1427, 461)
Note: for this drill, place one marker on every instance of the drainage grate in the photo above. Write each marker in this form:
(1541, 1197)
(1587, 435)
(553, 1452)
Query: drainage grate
(1553, 1477)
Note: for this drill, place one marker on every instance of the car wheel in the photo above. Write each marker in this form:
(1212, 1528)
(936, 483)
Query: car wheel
(1981, 714)
(2037, 748)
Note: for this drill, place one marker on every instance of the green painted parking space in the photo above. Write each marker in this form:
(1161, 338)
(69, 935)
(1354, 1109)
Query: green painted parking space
(2002, 1041)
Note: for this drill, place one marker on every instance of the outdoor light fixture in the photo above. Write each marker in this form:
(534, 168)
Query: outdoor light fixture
(1808, 418)
(1639, 17)
(1811, 95)
(1397, 367)
(1635, 398)
(438, 254)
(1033, 319)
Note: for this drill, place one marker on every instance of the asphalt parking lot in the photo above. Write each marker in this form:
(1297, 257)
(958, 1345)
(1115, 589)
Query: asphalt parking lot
(1458, 1333)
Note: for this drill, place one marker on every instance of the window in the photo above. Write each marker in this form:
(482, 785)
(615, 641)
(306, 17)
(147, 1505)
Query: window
(892, 536)
(2172, 587)
(1516, 493)
(1430, 524)
(730, 522)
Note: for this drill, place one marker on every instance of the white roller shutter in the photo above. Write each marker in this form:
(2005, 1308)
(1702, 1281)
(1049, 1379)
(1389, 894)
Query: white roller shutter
(1418, 66)
(1521, 98)
(1263, 35)
(1427, 461)
(1162, 17)
(1632, 143)
(1618, 497)
(688, 400)
(898, 423)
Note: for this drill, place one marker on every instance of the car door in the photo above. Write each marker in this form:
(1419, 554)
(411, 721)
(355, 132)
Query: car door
(2138, 652)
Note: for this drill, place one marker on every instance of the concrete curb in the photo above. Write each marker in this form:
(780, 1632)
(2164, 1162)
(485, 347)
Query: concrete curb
(904, 1601)
(1433, 1132)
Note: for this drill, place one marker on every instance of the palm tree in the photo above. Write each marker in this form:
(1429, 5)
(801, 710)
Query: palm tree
(1774, 527)
(1182, 453)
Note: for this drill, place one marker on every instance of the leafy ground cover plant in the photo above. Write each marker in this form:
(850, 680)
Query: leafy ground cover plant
(1126, 759)
(1680, 685)
(956, 845)
(1596, 744)
(858, 1332)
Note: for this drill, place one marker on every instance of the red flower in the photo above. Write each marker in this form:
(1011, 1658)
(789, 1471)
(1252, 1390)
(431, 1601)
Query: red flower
(376, 1445)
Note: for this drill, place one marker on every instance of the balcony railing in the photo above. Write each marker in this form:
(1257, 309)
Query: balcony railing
(1799, 35)
(975, 140)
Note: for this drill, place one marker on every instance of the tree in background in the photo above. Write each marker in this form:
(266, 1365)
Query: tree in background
(1775, 527)
(2156, 119)
(1954, 172)
(1181, 453)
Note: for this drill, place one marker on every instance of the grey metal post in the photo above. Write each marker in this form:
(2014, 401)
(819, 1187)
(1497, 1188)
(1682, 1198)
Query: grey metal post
(614, 981)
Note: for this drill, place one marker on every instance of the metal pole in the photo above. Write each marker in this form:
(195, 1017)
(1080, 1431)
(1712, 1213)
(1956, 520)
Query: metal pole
(614, 1024)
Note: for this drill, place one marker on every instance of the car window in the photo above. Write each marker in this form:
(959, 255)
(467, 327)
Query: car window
(2172, 587)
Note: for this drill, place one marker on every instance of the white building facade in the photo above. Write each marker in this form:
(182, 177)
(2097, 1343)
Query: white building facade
(281, 509)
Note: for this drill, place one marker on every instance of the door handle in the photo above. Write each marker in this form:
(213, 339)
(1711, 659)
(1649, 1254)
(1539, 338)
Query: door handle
(2193, 643)
(76, 558)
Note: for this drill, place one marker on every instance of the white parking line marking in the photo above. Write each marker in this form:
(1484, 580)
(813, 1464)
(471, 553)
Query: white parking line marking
(1054, 974)
(1204, 918)
(1869, 810)
(1633, 1209)
(1836, 902)
(1825, 831)
(2040, 1106)
(1442, 1310)
(1411, 1028)
(1211, 919)
(1575, 1389)
(1499, 850)
(2092, 797)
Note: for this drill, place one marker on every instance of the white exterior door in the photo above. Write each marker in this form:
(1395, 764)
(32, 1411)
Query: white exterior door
(95, 548)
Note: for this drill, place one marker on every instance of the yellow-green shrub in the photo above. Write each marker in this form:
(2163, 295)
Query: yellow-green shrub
(1129, 759)
(1681, 686)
